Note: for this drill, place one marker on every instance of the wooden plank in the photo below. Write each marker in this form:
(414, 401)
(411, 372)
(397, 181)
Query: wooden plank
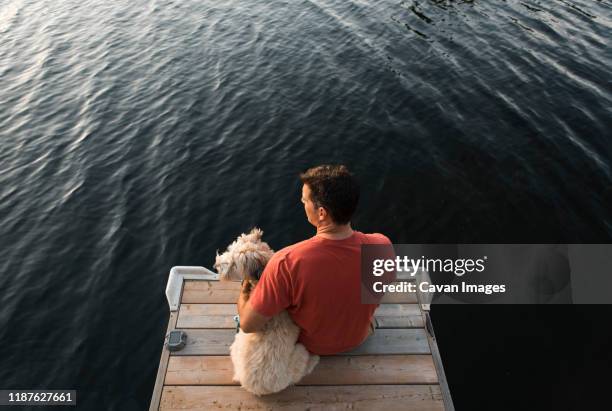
(399, 316)
(373, 369)
(207, 316)
(384, 341)
(394, 341)
(200, 370)
(221, 316)
(211, 292)
(220, 292)
(300, 398)
(163, 365)
(207, 342)
(331, 370)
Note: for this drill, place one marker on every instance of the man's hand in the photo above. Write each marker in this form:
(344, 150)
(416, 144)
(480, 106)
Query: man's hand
(250, 320)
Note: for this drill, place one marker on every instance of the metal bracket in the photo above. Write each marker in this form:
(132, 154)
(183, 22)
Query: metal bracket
(178, 275)
(429, 325)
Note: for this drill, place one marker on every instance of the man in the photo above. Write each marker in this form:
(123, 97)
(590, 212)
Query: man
(318, 280)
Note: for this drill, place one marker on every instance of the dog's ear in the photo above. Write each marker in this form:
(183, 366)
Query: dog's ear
(252, 266)
(229, 271)
(225, 267)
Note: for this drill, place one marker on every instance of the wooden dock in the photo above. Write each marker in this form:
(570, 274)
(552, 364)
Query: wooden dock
(398, 368)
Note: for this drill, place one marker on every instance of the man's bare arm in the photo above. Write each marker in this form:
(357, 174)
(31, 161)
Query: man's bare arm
(250, 320)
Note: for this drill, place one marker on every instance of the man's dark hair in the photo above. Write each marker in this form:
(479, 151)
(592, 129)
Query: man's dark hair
(334, 188)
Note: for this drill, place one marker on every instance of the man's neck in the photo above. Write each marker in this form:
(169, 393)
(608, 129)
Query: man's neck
(334, 231)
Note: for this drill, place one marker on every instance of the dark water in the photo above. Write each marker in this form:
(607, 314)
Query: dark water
(138, 135)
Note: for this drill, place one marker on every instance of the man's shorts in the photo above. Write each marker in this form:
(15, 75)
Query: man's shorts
(372, 326)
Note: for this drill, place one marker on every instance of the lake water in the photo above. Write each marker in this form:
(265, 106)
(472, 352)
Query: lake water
(138, 135)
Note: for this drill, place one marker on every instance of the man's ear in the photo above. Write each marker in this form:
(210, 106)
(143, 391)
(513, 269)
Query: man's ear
(322, 212)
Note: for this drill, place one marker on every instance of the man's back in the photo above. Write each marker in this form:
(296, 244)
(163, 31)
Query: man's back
(318, 281)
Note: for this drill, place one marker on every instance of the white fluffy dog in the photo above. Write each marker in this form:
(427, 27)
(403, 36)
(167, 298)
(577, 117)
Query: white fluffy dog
(267, 361)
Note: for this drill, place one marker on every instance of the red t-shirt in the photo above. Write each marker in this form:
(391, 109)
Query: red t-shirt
(318, 282)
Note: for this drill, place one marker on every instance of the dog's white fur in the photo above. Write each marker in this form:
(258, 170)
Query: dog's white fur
(267, 361)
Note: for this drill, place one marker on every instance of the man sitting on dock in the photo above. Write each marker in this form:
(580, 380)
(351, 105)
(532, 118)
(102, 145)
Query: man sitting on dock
(318, 280)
